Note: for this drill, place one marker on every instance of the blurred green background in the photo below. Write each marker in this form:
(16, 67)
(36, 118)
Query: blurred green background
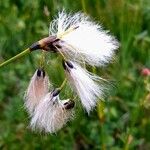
(122, 121)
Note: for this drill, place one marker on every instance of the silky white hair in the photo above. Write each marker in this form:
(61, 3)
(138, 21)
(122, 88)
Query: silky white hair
(88, 86)
(37, 89)
(82, 39)
(51, 115)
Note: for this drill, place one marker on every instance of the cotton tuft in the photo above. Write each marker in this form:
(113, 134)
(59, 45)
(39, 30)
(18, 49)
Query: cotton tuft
(37, 89)
(51, 114)
(86, 41)
(86, 84)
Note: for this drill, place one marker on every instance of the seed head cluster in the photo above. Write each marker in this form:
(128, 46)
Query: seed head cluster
(81, 42)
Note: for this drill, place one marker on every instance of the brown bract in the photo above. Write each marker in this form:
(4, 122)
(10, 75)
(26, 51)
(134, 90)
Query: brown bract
(47, 44)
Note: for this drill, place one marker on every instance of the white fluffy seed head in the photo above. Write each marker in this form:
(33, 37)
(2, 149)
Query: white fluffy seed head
(87, 42)
(51, 114)
(87, 85)
(37, 89)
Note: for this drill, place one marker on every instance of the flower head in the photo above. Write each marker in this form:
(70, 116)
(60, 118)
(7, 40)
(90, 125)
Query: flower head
(37, 89)
(52, 114)
(86, 84)
(81, 39)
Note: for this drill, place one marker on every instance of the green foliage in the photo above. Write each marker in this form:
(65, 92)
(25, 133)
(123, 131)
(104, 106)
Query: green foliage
(122, 121)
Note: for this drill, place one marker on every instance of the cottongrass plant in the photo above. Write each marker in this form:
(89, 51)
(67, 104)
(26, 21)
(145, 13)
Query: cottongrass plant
(80, 41)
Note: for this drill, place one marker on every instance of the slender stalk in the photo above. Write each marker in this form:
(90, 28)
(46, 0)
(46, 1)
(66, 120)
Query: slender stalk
(84, 6)
(25, 52)
(58, 90)
(94, 69)
(128, 142)
(42, 59)
(63, 84)
(63, 56)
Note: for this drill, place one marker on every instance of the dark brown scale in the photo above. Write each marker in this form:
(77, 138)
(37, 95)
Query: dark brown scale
(34, 46)
(40, 72)
(55, 92)
(67, 64)
(69, 105)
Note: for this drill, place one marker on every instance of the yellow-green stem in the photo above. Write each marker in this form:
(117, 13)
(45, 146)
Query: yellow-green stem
(63, 56)
(94, 69)
(63, 84)
(83, 6)
(25, 52)
(42, 59)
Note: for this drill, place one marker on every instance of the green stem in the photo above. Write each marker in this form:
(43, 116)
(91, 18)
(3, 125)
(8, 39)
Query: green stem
(126, 147)
(63, 84)
(84, 6)
(94, 69)
(63, 56)
(25, 52)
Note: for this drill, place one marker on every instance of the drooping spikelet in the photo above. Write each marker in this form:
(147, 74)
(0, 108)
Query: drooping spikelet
(52, 114)
(86, 84)
(37, 89)
(82, 39)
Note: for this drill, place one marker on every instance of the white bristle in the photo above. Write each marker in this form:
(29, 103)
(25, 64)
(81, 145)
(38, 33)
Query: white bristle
(37, 89)
(50, 115)
(86, 85)
(87, 42)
